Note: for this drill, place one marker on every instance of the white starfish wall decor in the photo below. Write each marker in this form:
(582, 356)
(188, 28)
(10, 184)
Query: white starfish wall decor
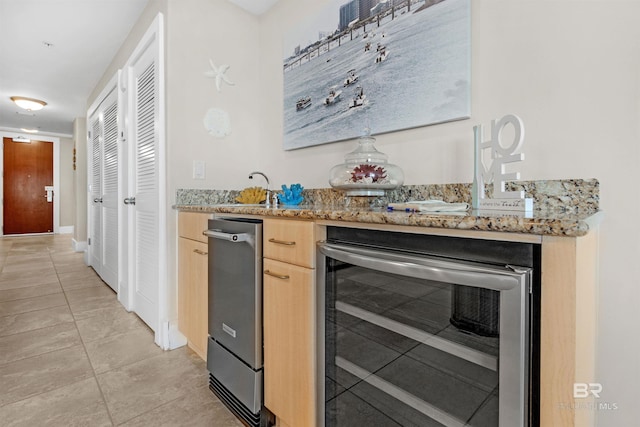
(218, 73)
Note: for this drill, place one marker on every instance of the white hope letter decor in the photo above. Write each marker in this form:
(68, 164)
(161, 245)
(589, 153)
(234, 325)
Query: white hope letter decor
(501, 155)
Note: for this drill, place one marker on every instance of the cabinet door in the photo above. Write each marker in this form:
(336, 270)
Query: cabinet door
(289, 343)
(193, 294)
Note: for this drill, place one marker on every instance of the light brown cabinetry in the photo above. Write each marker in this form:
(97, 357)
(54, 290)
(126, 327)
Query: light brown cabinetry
(289, 321)
(192, 280)
(568, 328)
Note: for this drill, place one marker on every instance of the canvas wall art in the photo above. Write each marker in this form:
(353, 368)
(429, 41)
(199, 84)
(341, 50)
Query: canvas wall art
(386, 65)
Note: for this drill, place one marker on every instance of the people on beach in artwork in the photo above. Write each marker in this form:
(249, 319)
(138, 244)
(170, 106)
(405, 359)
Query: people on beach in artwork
(352, 77)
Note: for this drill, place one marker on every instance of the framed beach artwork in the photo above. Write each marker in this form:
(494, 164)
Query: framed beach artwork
(384, 65)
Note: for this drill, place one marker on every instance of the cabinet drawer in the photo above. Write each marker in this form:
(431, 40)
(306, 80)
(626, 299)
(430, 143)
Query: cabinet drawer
(192, 224)
(290, 241)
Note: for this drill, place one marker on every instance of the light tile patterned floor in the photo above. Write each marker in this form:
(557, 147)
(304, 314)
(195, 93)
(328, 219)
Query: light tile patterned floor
(71, 355)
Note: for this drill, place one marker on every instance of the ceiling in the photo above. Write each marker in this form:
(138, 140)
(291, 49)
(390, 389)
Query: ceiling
(84, 36)
(57, 51)
(257, 7)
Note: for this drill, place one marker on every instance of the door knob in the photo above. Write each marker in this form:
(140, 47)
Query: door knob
(130, 201)
(97, 200)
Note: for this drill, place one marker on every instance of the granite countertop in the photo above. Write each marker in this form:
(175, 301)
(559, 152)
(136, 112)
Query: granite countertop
(567, 207)
(538, 223)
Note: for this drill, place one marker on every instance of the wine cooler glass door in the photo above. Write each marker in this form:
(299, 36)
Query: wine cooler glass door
(419, 340)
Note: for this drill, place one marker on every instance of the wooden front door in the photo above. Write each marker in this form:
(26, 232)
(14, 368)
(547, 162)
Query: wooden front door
(28, 168)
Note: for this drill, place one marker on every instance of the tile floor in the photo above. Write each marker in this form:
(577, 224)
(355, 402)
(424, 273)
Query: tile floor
(71, 355)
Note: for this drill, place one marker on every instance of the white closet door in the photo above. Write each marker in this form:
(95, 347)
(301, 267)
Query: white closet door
(103, 197)
(146, 255)
(109, 268)
(95, 192)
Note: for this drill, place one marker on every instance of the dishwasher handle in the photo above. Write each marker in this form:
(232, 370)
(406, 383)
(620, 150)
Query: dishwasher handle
(230, 237)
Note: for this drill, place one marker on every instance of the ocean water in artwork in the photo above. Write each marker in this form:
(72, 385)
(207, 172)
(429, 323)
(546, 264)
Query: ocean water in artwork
(413, 69)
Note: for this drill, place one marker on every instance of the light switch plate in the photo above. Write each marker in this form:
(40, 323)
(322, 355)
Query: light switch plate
(199, 168)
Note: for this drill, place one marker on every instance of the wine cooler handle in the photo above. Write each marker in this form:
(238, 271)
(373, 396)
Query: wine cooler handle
(425, 267)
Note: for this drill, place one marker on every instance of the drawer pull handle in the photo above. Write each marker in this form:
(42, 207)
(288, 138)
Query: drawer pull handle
(276, 275)
(199, 252)
(282, 242)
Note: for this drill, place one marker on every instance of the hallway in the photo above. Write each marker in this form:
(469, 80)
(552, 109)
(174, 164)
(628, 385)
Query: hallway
(71, 355)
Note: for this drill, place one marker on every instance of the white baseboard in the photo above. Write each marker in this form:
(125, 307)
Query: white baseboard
(174, 338)
(78, 246)
(66, 229)
(123, 297)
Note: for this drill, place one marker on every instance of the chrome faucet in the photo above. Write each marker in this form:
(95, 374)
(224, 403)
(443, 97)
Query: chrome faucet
(267, 202)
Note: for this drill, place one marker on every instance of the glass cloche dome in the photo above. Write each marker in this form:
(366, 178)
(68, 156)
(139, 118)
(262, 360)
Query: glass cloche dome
(365, 171)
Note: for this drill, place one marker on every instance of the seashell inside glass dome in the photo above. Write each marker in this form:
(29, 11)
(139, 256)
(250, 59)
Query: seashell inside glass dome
(366, 171)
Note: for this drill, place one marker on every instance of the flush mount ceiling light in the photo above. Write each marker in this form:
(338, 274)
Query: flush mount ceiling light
(29, 130)
(29, 104)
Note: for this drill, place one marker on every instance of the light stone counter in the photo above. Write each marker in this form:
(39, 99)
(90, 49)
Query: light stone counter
(561, 207)
(540, 223)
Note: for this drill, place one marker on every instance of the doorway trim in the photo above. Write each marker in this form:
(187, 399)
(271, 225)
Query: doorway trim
(56, 174)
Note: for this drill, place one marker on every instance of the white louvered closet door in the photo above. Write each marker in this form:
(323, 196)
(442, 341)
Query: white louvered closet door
(103, 201)
(95, 192)
(109, 204)
(146, 257)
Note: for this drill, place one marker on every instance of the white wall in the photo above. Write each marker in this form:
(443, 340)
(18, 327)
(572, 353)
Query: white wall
(223, 33)
(80, 183)
(571, 71)
(67, 189)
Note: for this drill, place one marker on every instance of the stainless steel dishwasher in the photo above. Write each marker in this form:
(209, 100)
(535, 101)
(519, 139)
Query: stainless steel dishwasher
(234, 358)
